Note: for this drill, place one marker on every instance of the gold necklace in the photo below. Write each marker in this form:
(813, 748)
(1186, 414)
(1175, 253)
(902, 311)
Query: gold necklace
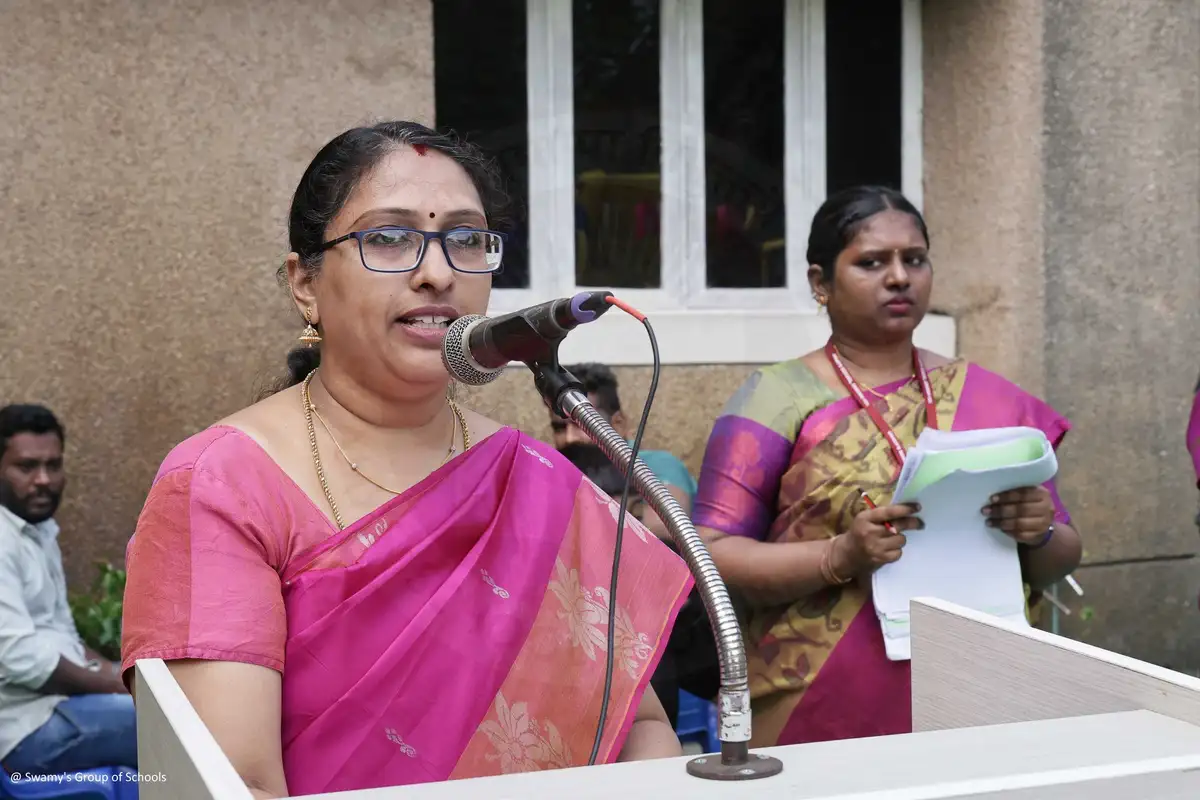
(310, 411)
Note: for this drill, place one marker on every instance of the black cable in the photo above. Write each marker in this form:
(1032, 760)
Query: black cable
(612, 586)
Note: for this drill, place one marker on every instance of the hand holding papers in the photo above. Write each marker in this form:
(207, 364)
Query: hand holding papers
(956, 557)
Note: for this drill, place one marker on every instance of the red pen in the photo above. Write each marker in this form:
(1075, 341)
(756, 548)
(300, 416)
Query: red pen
(871, 504)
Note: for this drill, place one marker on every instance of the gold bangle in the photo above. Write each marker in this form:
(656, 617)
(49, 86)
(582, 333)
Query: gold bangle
(827, 573)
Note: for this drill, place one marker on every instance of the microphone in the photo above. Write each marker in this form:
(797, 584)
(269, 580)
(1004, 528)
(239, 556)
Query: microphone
(477, 349)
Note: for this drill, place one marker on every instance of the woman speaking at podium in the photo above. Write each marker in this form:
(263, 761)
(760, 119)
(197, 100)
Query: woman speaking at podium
(781, 490)
(356, 582)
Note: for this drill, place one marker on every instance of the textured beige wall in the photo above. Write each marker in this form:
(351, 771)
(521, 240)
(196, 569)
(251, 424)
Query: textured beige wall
(1122, 183)
(1122, 233)
(148, 151)
(983, 178)
(1062, 147)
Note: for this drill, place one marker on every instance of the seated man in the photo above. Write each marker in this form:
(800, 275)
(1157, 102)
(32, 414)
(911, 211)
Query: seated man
(62, 707)
(601, 386)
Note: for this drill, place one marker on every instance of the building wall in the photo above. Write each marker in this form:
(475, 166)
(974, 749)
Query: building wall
(145, 215)
(148, 152)
(983, 178)
(1122, 222)
(1062, 144)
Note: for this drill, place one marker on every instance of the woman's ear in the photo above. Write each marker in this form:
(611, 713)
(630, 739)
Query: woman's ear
(816, 281)
(300, 283)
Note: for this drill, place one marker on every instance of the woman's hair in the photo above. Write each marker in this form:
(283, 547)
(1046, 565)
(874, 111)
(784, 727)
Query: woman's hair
(336, 171)
(842, 215)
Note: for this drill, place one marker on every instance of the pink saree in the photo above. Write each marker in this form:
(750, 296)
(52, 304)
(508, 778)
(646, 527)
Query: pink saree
(1193, 436)
(785, 462)
(457, 631)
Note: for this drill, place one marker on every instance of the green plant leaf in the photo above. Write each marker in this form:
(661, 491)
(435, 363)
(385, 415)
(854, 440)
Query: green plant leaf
(98, 614)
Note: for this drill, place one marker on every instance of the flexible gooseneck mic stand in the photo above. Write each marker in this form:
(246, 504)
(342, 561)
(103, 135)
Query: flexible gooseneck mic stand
(565, 395)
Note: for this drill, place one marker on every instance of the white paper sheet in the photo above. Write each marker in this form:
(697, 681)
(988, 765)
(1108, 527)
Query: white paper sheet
(956, 557)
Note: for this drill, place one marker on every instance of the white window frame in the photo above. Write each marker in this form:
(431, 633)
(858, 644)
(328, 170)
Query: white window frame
(697, 324)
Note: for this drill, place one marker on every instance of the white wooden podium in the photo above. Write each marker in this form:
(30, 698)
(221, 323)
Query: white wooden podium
(1000, 712)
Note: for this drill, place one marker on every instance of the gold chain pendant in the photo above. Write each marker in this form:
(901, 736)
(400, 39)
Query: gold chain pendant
(311, 411)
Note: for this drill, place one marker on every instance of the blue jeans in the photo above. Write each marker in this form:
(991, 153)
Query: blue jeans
(85, 731)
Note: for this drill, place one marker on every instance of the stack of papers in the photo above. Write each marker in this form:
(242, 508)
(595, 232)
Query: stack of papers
(956, 557)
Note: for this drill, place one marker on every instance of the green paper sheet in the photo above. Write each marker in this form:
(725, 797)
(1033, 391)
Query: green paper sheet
(935, 466)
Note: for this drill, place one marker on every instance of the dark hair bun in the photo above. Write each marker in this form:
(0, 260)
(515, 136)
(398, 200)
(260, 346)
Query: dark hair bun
(301, 361)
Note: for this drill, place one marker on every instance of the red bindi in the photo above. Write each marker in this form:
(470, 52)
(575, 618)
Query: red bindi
(420, 148)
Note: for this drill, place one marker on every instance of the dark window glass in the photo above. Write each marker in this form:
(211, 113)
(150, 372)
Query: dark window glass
(863, 41)
(618, 139)
(481, 93)
(744, 142)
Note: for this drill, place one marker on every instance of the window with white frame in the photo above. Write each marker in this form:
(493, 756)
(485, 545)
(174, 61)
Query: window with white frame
(675, 151)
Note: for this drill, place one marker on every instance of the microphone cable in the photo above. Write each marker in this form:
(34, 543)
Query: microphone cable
(609, 654)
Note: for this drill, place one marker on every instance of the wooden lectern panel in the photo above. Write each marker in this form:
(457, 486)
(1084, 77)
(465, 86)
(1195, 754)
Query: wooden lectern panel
(1067, 759)
(974, 669)
(1175, 782)
(1077, 731)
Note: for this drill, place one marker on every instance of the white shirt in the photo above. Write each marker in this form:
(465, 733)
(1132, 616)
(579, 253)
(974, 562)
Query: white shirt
(36, 626)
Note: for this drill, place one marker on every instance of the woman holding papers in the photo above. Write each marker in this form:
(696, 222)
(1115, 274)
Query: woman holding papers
(802, 449)
(358, 583)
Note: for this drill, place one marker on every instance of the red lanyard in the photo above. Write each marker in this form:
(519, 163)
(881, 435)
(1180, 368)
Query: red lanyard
(857, 393)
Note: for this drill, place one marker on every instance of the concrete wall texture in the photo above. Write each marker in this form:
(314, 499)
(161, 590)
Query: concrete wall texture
(148, 153)
(1062, 146)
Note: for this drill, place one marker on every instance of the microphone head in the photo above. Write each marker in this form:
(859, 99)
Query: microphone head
(456, 353)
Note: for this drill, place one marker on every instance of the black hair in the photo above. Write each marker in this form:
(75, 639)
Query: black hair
(599, 381)
(842, 215)
(338, 168)
(591, 461)
(27, 418)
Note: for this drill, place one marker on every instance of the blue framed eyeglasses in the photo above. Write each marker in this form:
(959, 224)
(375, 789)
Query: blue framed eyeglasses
(395, 249)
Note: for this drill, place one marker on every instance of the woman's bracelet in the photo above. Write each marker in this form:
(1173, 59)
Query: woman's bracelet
(1045, 540)
(827, 573)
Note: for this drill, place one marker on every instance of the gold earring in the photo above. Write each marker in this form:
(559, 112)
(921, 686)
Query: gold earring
(821, 301)
(309, 336)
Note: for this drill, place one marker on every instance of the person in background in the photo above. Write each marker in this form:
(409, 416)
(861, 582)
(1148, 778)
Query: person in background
(690, 661)
(780, 499)
(1193, 436)
(596, 466)
(358, 583)
(600, 384)
(62, 706)
(1193, 442)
